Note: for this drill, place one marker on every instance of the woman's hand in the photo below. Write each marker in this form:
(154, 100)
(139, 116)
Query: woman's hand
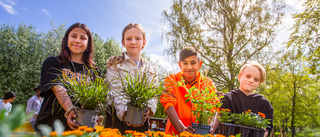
(71, 120)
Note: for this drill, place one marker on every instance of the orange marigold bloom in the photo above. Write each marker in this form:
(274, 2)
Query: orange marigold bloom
(130, 131)
(77, 132)
(82, 127)
(66, 133)
(109, 134)
(262, 115)
(53, 134)
(99, 128)
(138, 134)
(249, 110)
(88, 129)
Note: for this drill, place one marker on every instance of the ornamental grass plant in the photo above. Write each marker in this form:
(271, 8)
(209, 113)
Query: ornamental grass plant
(139, 87)
(89, 91)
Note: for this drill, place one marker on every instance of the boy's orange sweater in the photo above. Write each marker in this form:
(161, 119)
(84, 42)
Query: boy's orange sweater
(175, 96)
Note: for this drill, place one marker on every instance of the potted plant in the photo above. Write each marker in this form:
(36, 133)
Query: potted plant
(225, 126)
(204, 104)
(89, 94)
(138, 88)
(247, 123)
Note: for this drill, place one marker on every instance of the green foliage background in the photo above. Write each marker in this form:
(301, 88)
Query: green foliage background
(227, 38)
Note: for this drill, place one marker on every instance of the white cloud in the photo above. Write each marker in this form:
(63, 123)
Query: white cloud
(163, 64)
(8, 6)
(296, 4)
(47, 13)
(292, 6)
(10, 2)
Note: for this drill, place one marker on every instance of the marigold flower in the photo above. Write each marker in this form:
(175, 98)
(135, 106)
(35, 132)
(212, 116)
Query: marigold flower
(53, 134)
(77, 132)
(66, 133)
(130, 132)
(88, 129)
(82, 127)
(99, 128)
(138, 134)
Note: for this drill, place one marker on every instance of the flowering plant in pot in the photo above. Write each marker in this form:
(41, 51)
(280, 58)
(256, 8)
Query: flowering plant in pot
(89, 93)
(139, 88)
(204, 104)
(247, 123)
(257, 122)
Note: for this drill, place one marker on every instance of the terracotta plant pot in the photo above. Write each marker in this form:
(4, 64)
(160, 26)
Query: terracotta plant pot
(87, 117)
(201, 129)
(135, 115)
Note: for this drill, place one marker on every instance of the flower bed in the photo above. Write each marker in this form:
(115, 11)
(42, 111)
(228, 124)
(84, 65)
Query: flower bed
(85, 131)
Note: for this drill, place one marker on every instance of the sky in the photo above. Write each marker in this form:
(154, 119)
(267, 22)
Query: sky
(107, 18)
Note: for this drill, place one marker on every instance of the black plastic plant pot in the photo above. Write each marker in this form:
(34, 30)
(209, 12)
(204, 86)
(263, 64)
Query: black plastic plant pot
(226, 129)
(245, 131)
(255, 132)
(134, 115)
(201, 129)
(87, 117)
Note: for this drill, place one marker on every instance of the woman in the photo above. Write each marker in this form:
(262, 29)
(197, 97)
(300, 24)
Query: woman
(74, 59)
(5, 102)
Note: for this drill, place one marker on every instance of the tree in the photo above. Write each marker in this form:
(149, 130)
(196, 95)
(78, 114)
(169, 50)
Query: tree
(305, 37)
(292, 92)
(19, 48)
(103, 50)
(226, 31)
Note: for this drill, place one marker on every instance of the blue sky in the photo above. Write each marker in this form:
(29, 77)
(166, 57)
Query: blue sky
(107, 18)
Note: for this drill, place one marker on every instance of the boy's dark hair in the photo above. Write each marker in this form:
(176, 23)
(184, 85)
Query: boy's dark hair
(36, 88)
(187, 52)
(9, 95)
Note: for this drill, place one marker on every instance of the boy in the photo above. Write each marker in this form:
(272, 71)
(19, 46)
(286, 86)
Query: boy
(173, 99)
(240, 100)
(33, 106)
